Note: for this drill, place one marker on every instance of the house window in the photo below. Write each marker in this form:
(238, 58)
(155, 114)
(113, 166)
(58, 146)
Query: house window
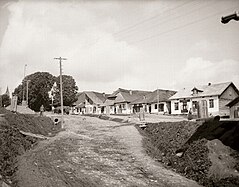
(211, 103)
(156, 106)
(176, 106)
(123, 106)
(195, 105)
(161, 107)
(185, 106)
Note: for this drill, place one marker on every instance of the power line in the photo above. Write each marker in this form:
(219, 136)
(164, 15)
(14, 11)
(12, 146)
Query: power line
(180, 27)
(151, 18)
(143, 21)
(167, 20)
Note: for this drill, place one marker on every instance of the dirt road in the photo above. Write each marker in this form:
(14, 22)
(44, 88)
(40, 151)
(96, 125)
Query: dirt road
(94, 152)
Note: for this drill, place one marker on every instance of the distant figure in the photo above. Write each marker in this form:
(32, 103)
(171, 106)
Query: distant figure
(41, 110)
(141, 114)
(190, 116)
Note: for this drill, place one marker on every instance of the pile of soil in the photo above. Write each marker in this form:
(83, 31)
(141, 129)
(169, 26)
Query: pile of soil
(14, 143)
(185, 147)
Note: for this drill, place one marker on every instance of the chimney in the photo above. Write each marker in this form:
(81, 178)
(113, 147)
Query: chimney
(130, 92)
(209, 84)
(103, 94)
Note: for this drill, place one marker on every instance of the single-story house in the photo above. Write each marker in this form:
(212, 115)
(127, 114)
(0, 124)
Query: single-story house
(154, 102)
(119, 101)
(209, 100)
(234, 108)
(89, 102)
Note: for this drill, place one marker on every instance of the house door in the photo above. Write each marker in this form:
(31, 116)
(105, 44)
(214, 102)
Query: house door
(150, 109)
(202, 109)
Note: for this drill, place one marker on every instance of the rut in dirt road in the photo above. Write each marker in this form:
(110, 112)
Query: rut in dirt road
(94, 152)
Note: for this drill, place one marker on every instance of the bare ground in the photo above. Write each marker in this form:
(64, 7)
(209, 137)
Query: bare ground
(93, 152)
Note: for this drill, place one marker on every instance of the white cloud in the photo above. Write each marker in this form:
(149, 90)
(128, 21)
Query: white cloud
(198, 71)
(39, 31)
(37, 34)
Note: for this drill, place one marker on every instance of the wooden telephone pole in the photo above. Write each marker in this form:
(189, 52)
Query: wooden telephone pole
(61, 93)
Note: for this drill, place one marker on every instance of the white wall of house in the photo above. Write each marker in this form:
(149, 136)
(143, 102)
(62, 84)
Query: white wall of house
(154, 108)
(109, 109)
(174, 109)
(213, 109)
(123, 108)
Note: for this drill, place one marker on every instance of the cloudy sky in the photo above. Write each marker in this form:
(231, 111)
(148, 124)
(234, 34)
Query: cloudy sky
(129, 44)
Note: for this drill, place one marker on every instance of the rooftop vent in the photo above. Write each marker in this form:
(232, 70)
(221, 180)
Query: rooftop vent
(209, 84)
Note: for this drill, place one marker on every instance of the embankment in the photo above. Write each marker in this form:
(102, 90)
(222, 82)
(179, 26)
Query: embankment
(205, 151)
(14, 142)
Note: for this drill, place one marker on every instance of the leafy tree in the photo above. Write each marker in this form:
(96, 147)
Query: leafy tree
(69, 90)
(39, 84)
(6, 101)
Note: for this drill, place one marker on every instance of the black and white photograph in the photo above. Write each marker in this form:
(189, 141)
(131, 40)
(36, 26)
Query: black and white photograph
(119, 93)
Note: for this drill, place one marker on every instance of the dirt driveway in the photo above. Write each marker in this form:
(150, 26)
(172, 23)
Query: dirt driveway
(94, 152)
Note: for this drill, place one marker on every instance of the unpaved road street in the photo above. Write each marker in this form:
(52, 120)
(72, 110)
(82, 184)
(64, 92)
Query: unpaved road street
(94, 152)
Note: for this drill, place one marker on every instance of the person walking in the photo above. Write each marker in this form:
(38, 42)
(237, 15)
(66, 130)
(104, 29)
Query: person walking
(41, 110)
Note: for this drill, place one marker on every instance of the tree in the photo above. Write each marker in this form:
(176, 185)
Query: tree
(40, 84)
(6, 101)
(69, 89)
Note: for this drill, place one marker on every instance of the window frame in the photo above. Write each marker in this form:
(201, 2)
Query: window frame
(211, 103)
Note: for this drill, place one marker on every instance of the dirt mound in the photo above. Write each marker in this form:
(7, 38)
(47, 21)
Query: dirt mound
(30, 123)
(14, 143)
(226, 131)
(184, 146)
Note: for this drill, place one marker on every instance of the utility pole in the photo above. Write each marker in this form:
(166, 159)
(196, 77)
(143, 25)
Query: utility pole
(60, 61)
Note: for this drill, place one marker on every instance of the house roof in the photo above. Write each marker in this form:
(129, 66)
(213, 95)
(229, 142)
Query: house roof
(207, 90)
(233, 102)
(157, 95)
(97, 98)
(80, 98)
(128, 95)
(108, 102)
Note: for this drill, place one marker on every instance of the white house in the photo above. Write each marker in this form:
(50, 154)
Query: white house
(154, 102)
(90, 102)
(212, 98)
(119, 102)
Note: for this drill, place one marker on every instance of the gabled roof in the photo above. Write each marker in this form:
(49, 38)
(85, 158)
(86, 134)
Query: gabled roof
(114, 94)
(154, 97)
(128, 95)
(97, 98)
(109, 102)
(207, 90)
(233, 102)
(80, 98)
